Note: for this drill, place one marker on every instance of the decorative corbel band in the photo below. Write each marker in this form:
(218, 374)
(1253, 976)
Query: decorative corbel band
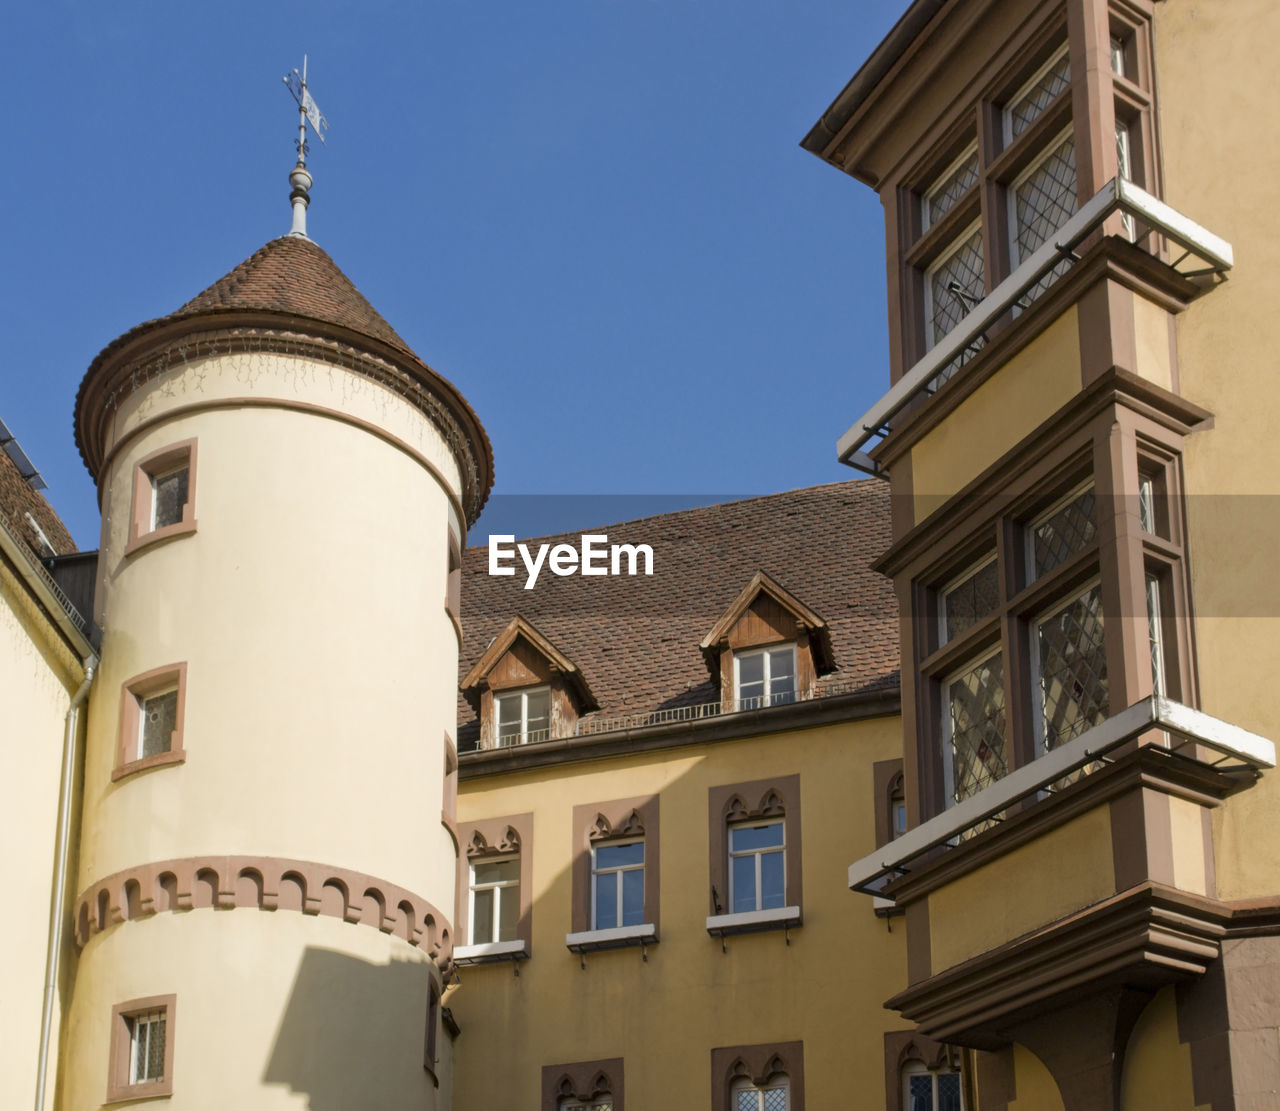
(267, 883)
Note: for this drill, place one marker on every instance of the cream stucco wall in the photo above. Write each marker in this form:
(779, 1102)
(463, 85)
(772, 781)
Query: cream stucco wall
(1219, 169)
(1157, 1064)
(1022, 394)
(825, 988)
(38, 676)
(275, 1010)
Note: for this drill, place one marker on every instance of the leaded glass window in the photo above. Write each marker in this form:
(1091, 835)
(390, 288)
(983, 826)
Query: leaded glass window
(168, 497)
(158, 718)
(146, 1047)
(1072, 666)
(772, 1096)
(1029, 103)
(932, 1090)
(974, 728)
(1040, 202)
(952, 184)
(1068, 528)
(953, 285)
(1147, 504)
(1155, 636)
(600, 1103)
(970, 599)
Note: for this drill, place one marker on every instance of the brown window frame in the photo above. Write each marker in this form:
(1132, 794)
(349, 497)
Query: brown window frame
(778, 797)
(584, 1081)
(145, 471)
(511, 835)
(449, 795)
(757, 1063)
(1118, 558)
(979, 124)
(119, 1087)
(133, 692)
(431, 1031)
(599, 823)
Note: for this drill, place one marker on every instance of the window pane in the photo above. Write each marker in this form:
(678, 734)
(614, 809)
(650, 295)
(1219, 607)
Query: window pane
(509, 723)
(633, 897)
(616, 856)
(1147, 505)
(606, 901)
(974, 705)
(538, 710)
(1073, 669)
(920, 1093)
(482, 917)
(949, 1091)
(775, 1099)
(746, 838)
(751, 668)
(170, 496)
(159, 718)
(953, 285)
(1154, 635)
(496, 871)
(1117, 56)
(1043, 201)
(147, 1058)
(747, 1101)
(1030, 102)
(1069, 529)
(970, 600)
(743, 882)
(508, 913)
(949, 188)
(772, 881)
(782, 676)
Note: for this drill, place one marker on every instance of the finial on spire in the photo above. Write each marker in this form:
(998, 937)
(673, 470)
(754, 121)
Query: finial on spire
(308, 113)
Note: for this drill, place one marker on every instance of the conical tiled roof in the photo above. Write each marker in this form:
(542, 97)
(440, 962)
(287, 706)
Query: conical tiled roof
(292, 275)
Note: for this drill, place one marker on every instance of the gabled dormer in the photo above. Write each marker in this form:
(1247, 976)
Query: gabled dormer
(768, 647)
(525, 689)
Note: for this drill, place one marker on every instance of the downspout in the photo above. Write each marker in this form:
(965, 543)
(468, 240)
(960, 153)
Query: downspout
(53, 956)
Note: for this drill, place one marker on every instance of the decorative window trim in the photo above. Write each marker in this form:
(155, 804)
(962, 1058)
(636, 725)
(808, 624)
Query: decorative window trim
(141, 531)
(902, 1049)
(583, 1081)
(133, 692)
(622, 819)
(449, 797)
(887, 781)
(492, 837)
(756, 1064)
(119, 1087)
(727, 805)
(453, 578)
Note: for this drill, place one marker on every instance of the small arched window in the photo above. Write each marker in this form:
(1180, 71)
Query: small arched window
(773, 1095)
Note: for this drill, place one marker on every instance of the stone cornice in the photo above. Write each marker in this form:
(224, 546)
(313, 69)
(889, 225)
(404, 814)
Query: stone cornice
(147, 353)
(263, 883)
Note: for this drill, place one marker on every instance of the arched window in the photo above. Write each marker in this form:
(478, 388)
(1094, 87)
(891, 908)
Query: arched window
(773, 1095)
(926, 1089)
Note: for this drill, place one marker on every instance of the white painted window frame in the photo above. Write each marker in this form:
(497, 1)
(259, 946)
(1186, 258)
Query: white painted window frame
(759, 854)
(523, 694)
(500, 888)
(596, 872)
(766, 698)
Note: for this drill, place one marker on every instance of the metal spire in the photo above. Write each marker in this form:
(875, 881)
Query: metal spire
(308, 113)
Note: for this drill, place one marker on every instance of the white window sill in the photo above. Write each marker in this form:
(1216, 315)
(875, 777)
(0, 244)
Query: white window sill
(491, 951)
(588, 940)
(748, 921)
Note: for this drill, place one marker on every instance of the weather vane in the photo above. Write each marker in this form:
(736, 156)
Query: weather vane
(308, 113)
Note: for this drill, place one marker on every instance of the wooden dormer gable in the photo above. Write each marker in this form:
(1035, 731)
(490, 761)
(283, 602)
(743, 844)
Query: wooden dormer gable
(520, 657)
(764, 614)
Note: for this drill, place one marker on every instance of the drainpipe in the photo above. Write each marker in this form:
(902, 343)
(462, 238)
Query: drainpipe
(53, 957)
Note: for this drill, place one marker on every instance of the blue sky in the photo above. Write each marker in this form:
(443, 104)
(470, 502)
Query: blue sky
(592, 215)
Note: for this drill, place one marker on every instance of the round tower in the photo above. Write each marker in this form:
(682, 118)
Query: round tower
(267, 865)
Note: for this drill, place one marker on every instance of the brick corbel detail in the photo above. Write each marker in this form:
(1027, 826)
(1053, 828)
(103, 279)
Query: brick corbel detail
(264, 883)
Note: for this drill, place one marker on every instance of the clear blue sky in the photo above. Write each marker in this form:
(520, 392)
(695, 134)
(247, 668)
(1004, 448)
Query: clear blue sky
(592, 215)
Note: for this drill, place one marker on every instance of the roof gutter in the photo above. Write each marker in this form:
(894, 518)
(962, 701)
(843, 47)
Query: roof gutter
(883, 58)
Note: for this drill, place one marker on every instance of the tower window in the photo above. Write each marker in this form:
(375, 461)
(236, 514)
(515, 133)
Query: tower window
(141, 1061)
(152, 708)
(164, 486)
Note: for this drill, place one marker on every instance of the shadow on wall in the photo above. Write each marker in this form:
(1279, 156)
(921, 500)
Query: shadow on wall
(352, 1034)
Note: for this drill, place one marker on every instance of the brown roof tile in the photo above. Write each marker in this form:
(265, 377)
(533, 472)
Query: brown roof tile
(17, 499)
(636, 640)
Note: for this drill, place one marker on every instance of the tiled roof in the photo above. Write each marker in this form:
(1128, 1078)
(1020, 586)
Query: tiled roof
(17, 499)
(292, 275)
(637, 639)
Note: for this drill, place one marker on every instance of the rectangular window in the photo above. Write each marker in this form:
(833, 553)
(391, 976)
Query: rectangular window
(1031, 101)
(164, 487)
(152, 708)
(141, 1059)
(952, 286)
(1041, 200)
(617, 885)
(974, 728)
(1155, 637)
(495, 899)
(969, 599)
(1071, 666)
(757, 866)
(524, 717)
(1064, 531)
(952, 184)
(765, 678)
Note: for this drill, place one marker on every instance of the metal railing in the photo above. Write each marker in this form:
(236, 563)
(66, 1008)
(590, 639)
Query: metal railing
(1146, 218)
(1189, 735)
(32, 566)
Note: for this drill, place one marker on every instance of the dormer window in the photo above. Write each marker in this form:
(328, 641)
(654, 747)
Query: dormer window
(524, 716)
(525, 690)
(765, 677)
